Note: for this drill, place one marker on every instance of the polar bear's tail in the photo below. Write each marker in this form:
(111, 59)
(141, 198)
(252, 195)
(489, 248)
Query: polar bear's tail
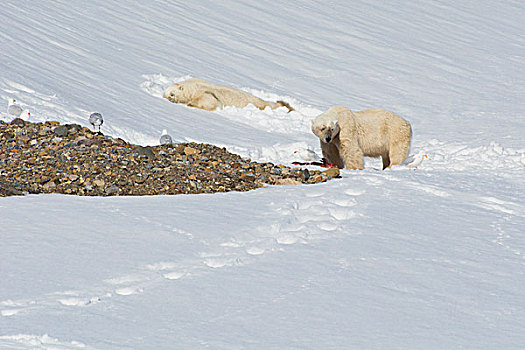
(285, 104)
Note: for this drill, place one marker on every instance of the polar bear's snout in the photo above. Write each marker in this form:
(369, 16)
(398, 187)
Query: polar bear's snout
(326, 133)
(168, 94)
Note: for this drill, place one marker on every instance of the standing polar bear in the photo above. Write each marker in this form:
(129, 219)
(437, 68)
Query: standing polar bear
(208, 96)
(347, 137)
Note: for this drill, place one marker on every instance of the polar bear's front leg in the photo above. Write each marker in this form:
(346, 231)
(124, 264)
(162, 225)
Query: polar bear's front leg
(331, 154)
(207, 101)
(351, 154)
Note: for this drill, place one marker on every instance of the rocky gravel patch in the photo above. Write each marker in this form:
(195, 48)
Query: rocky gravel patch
(70, 159)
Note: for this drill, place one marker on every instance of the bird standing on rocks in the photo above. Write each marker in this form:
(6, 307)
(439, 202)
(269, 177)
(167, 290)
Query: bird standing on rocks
(25, 115)
(414, 161)
(13, 109)
(165, 138)
(96, 119)
(307, 154)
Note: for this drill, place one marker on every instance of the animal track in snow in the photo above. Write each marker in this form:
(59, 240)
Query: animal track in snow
(341, 213)
(345, 202)
(161, 266)
(174, 275)
(36, 342)
(255, 250)
(317, 212)
(458, 156)
(315, 192)
(502, 206)
(218, 262)
(10, 312)
(79, 301)
(314, 218)
(327, 226)
(310, 219)
(125, 279)
(231, 244)
(354, 191)
(129, 284)
(287, 239)
(129, 291)
(11, 308)
(430, 190)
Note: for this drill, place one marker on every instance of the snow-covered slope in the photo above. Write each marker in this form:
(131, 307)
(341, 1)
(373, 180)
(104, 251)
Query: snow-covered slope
(426, 258)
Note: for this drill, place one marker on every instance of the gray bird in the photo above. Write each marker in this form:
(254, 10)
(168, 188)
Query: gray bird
(95, 119)
(13, 109)
(25, 115)
(307, 154)
(414, 161)
(165, 138)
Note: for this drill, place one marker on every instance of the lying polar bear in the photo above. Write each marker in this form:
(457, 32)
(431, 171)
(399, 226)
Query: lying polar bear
(347, 137)
(208, 96)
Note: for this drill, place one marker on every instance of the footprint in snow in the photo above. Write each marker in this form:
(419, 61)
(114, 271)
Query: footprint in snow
(341, 213)
(129, 291)
(175, 275)
(10, 312)
(255, 251)
(27, 341)
(313, 194)
(79, 301)
(345, 202)
(354, 191)
(327, 226)
(160, 266)
(219, 262)
(287, 239)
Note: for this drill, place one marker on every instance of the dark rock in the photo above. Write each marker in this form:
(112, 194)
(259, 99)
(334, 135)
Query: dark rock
(332, 172)
(305, 174)
(73, 128)
(18, 122)
(61, 131)
(145, 151)
(89, 142)
(8, 190)
(112, 190)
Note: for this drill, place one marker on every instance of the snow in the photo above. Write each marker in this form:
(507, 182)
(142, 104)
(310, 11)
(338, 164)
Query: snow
(429, 258)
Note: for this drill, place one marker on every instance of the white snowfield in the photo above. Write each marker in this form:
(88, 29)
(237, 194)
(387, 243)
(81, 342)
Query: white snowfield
(426, 258)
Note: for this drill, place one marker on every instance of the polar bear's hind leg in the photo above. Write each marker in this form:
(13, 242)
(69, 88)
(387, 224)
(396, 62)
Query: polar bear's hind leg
(400, 147)
(285, 104)
(386, 161)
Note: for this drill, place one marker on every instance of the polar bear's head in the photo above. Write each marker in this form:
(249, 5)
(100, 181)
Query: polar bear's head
(325, 126)
(182, 92)
(176, 93)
